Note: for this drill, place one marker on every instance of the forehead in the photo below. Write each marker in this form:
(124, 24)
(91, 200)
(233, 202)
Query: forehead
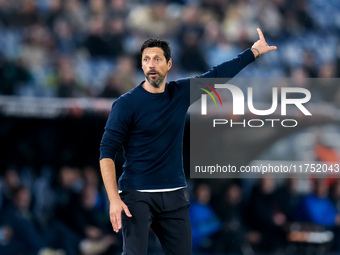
(153, 51)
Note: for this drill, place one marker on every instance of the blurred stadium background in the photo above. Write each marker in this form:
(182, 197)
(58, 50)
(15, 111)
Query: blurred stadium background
(62, 63)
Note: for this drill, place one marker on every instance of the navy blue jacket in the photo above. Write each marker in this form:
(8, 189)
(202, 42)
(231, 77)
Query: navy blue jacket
(150, 128)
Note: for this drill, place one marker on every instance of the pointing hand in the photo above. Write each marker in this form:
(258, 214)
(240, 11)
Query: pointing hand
(261, 46)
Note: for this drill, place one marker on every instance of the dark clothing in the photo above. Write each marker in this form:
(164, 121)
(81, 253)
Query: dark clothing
(12, 76)
(31, 235)
(165, 212)
(287, 202)
(192, 59)
(150, 128)
(316, 210)
(233, 233)
(205, 225)
(110, 93)
(261, 210)
(83, 217)
(66, 197)
(106, 45)
(97, 46)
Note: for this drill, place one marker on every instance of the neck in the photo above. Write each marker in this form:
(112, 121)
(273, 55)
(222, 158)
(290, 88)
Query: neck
(148, 87)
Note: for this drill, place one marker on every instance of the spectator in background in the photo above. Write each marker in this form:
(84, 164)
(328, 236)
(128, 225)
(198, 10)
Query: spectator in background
(112, 88)
(205, 224)
(13, 74)
(317, 208)
(67, 85)
(91, 178)
(27, 13)
(65, 41)
(53, 13)
(335, 194)
(6, 13)
(152, 20)
(288, 198)
(36, 46)
(338, 61)
(190, 35)
(115, 36)
(7, 245)
(335, 198)
(97, 8)
(66, 190)
(240, 23)
(30, 235)
(96, 43)
(191, 22)
(270, 18)
(216, 46)
(235, 238)
(126, 65)
(118, 8)
(309, 64)
(11, 181)
(330, 88)
(316, 213)
(217, 8)
(191, 58)
(75, 13)
(120, 81)
(87, 220)
(264, 216)
(297, 17)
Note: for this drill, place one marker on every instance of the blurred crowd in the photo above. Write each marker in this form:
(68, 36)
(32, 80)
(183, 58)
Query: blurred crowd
(62, 213)
(65, 211)
(271, 216)
(90, 48)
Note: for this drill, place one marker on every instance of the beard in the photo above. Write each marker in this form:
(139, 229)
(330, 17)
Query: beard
(155, 81)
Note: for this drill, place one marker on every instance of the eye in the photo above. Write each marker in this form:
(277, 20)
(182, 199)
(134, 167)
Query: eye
(146, 59)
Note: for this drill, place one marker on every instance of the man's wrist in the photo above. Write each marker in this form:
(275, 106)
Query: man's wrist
(256, 52)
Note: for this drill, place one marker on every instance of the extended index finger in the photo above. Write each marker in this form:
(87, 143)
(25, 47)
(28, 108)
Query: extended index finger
(260, 34)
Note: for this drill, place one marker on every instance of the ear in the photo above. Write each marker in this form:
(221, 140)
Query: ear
(169, 64)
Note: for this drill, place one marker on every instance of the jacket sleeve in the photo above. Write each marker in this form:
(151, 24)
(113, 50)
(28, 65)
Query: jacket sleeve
(116, 129)
(230, 68)
(226, 70)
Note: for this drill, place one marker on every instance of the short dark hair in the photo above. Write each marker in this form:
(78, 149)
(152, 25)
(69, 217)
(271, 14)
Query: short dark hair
(160, 43)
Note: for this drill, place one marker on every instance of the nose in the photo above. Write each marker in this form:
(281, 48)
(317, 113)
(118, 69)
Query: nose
(151, 64)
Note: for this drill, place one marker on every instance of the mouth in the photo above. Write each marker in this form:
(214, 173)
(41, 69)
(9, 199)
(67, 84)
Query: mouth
(153, 74)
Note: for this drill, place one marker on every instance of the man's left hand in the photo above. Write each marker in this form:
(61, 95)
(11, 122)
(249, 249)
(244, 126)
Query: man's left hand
(261, 46)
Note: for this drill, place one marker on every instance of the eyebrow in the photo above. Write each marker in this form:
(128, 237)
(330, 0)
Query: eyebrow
(156, 56)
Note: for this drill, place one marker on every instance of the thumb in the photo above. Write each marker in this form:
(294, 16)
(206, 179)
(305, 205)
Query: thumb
(270, 48)
(126, 210)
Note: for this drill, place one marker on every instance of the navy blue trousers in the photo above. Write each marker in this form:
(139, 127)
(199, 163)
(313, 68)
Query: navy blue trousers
(166, 213)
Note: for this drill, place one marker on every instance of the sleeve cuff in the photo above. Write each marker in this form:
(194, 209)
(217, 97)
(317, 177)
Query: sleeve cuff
(248, 56)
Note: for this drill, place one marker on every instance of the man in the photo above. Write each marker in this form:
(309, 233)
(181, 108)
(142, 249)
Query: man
(148, 122)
